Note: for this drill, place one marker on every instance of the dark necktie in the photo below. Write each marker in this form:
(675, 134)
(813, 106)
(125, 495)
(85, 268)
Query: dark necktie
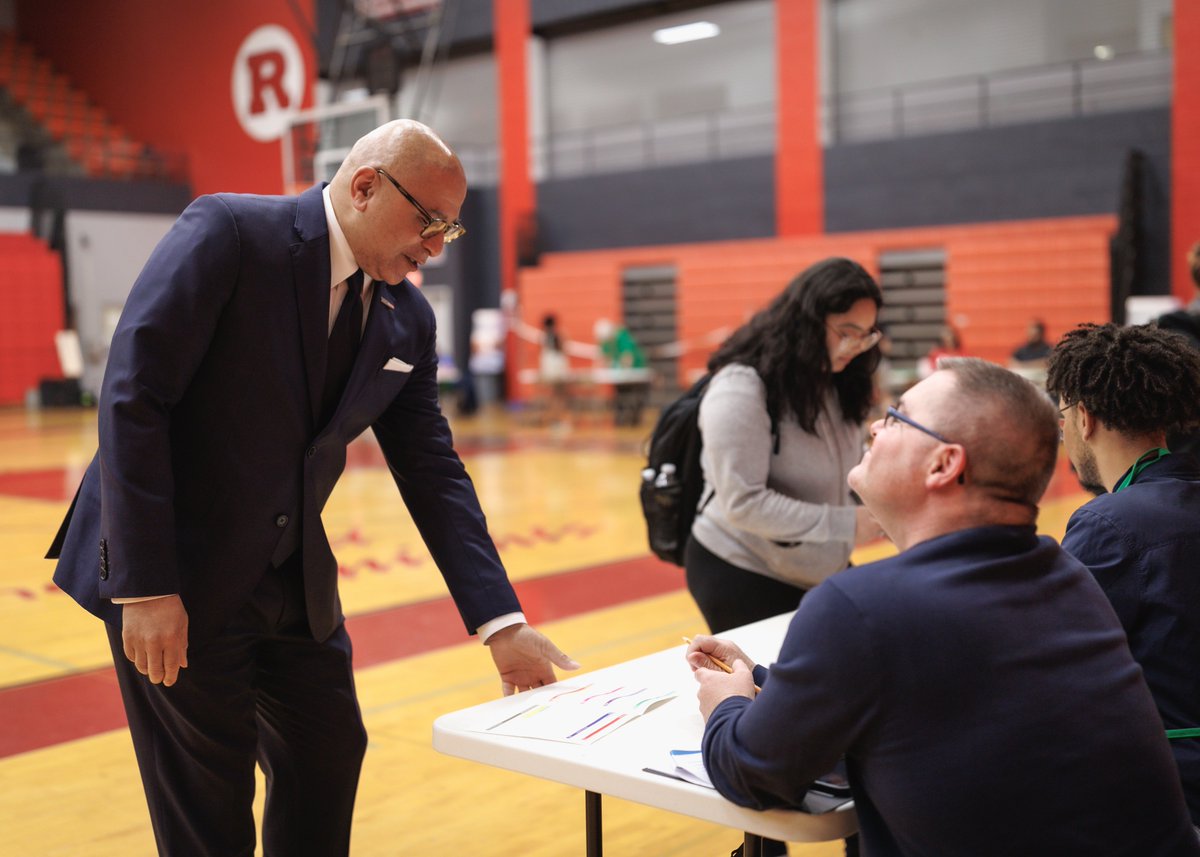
(343, 346)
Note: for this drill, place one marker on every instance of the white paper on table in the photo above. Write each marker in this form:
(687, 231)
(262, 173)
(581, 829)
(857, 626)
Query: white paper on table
(576, 713)
(689, 765)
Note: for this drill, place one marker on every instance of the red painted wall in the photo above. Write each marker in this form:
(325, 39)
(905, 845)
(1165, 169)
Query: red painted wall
(517, 193)
(30, 278)
(518, 196)
(799, 177)
(1185, 146)
(163, 72)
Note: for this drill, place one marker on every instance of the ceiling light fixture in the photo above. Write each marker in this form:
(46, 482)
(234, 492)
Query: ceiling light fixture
(686, 33)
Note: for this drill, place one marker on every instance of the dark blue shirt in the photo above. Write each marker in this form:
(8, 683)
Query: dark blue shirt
(985, 699)
(1143, 546)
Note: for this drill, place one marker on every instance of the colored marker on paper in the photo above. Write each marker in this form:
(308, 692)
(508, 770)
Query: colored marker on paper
(590, 725)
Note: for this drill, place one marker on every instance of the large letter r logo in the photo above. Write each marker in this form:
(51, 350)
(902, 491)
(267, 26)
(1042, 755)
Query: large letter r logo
(267, 82)
(266, 71)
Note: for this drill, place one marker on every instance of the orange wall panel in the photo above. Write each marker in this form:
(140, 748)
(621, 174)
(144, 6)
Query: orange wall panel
(998, 277)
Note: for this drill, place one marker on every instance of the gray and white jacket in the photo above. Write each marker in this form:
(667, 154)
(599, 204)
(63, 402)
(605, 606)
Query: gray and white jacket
(788, 516)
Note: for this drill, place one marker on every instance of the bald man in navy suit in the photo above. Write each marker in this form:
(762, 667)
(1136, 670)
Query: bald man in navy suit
(263, 335)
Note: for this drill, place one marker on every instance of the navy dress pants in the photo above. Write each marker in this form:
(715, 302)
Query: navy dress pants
(263, 691)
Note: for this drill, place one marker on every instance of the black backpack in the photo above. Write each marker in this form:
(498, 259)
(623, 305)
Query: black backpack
(669, 499)
(672, 480)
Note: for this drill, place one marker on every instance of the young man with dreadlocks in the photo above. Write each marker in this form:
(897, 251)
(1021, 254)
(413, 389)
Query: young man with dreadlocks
(1120, 391)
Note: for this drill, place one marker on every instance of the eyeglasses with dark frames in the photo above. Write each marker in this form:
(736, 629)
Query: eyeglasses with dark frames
(893, 414)
(433, 225)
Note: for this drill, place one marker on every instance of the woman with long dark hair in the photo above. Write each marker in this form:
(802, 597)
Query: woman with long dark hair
(782, 426)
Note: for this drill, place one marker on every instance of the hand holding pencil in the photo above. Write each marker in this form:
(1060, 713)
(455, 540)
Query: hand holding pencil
(706, 652)
(710, 658)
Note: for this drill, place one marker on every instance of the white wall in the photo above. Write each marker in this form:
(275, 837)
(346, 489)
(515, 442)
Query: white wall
(14, 219)
(1151, 18)
(106, 252)
(885, 43)
(619, 74)
(458, 99)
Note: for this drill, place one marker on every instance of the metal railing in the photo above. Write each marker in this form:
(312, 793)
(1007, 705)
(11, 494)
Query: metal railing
(1059, 91)
(690, 138)
(686, 139)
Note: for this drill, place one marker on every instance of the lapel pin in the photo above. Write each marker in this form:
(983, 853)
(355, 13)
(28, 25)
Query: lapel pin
(386, 302)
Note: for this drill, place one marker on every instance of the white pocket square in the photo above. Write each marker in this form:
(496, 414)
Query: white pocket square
(395, 364)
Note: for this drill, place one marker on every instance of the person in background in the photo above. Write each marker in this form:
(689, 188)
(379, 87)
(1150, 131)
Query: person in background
(1193, 263)
(263, 335)
(619, 350)
(949, 344)
(977, 684)
(1187, 322)
(781, 422)
(1035, 350)
(1187, 319)
(554, 373)
(1120, 391)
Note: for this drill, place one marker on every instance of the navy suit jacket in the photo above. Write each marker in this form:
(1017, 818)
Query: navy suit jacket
(986, 702)
(1143, 546)
(211, 463)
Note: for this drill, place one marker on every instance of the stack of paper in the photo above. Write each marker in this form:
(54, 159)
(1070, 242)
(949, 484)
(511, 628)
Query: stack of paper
(576, 713)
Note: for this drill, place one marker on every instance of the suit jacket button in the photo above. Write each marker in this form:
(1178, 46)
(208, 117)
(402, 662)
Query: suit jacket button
(312, 450)
(104, 572)
(281, 521)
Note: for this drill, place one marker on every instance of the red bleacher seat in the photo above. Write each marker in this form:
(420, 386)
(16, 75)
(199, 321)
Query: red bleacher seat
(88, 135)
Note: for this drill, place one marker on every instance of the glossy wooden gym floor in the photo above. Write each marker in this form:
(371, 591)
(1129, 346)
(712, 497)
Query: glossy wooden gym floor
(562, 507)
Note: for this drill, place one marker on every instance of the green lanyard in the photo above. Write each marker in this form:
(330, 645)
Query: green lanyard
(1172, 734)
(1141, 464)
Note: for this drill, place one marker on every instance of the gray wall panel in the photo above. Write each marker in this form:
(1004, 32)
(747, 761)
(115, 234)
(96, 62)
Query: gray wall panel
(666, 205)
(1050, 169)
(475, 261)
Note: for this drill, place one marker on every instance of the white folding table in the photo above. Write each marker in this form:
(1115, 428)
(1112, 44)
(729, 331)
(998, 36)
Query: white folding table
(616, 764)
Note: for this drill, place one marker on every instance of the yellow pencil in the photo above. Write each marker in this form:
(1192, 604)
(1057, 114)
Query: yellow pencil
(715, 660)
(720, 663)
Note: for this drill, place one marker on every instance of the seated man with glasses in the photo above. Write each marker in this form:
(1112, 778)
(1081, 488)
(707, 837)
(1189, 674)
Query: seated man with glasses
(977, 684)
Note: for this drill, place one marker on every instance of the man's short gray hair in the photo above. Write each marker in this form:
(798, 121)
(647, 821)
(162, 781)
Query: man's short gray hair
(1008, 426)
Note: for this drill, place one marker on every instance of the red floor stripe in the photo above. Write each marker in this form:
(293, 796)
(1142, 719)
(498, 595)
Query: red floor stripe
(58, 483)
(57, 710)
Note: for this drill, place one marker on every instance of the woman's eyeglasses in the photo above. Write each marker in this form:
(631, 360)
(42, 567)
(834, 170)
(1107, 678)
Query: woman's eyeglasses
(856, 340)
